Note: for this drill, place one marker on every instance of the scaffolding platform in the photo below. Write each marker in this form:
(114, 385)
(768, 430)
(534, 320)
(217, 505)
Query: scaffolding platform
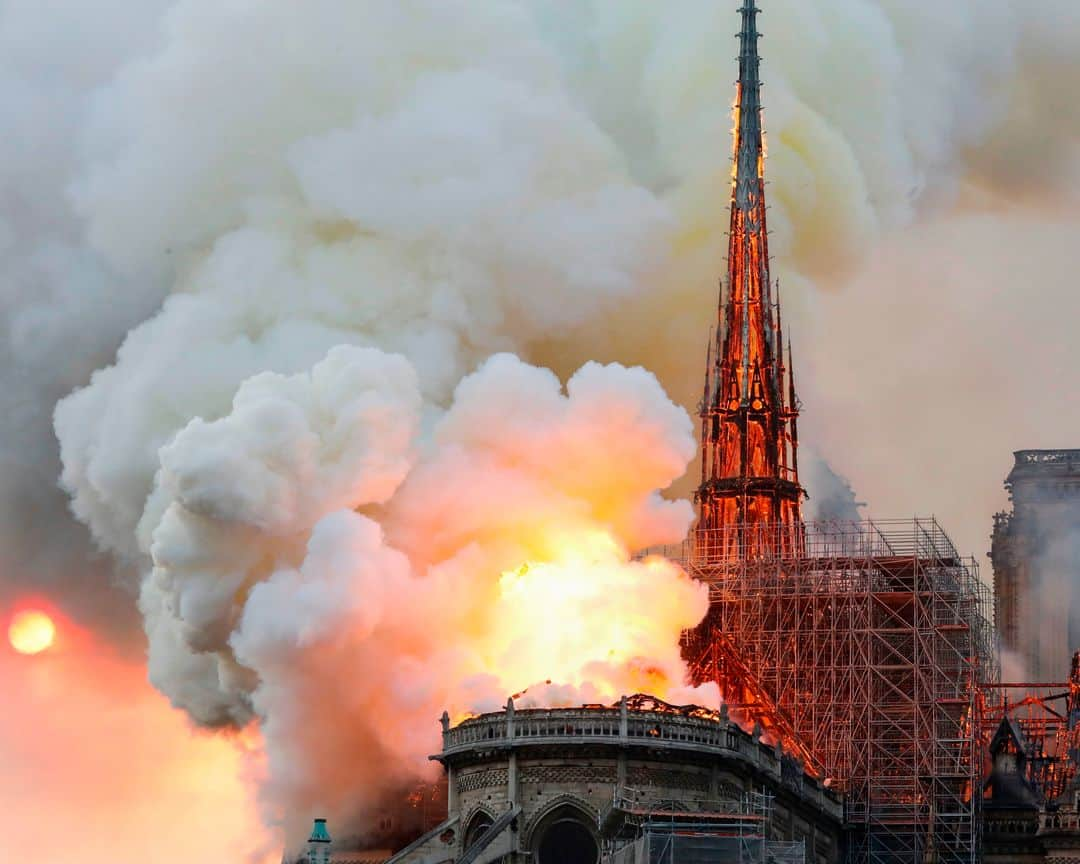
(718, 832)
(860, 647)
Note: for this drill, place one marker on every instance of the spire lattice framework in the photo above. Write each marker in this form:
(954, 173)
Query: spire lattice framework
(750, 499)
(856, 645)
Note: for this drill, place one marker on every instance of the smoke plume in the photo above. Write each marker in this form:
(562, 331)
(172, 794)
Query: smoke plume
(339, 515)
(320, 567)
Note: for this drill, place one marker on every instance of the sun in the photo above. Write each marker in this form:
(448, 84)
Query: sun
(31, 632)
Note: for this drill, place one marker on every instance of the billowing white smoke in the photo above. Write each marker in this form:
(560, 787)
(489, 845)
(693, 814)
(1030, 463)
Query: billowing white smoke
(869, 108)
(368, 200)
(238, 497)
(441, 209)
(319, 565)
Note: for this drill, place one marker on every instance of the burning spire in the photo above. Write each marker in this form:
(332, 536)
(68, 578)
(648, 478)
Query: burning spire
(749, 471)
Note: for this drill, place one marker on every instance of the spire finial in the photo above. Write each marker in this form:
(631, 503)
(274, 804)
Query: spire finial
(749, 146)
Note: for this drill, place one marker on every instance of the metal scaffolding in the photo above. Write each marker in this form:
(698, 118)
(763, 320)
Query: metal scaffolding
(864, 653)
(715, 832)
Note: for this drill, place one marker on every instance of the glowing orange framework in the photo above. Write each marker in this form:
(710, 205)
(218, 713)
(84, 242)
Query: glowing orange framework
(749, 434)
(856, 646)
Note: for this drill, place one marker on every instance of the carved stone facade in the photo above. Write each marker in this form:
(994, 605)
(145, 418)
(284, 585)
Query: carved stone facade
(566, 785)
(1032, 836)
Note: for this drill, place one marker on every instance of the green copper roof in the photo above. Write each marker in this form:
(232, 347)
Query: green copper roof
(319, 834)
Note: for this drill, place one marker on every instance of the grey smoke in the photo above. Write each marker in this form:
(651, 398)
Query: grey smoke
(63, 310)
(65, 307)
(831, 498)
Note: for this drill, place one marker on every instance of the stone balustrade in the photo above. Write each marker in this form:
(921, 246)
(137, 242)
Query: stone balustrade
(1059, 820)
(623, 727)
(1046, 457)
(600, 725)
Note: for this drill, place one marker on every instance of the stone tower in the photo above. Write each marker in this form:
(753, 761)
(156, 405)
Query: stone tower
(1036, 555)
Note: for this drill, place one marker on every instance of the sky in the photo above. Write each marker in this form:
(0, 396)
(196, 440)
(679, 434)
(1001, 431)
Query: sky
(273, 277)
(98, 767)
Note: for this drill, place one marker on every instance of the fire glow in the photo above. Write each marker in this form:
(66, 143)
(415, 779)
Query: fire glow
(31, 632)
(492, 555)
(549, 616)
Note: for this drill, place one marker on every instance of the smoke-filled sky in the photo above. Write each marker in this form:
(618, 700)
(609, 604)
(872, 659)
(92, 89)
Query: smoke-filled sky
(280, 287)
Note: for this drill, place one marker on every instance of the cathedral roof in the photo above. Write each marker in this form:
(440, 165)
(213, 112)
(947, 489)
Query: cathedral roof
(1009, 785)
(1009, 732)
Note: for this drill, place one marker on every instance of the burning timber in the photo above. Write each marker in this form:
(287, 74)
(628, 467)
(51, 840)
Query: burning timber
(1031, 801)
(749, 410)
